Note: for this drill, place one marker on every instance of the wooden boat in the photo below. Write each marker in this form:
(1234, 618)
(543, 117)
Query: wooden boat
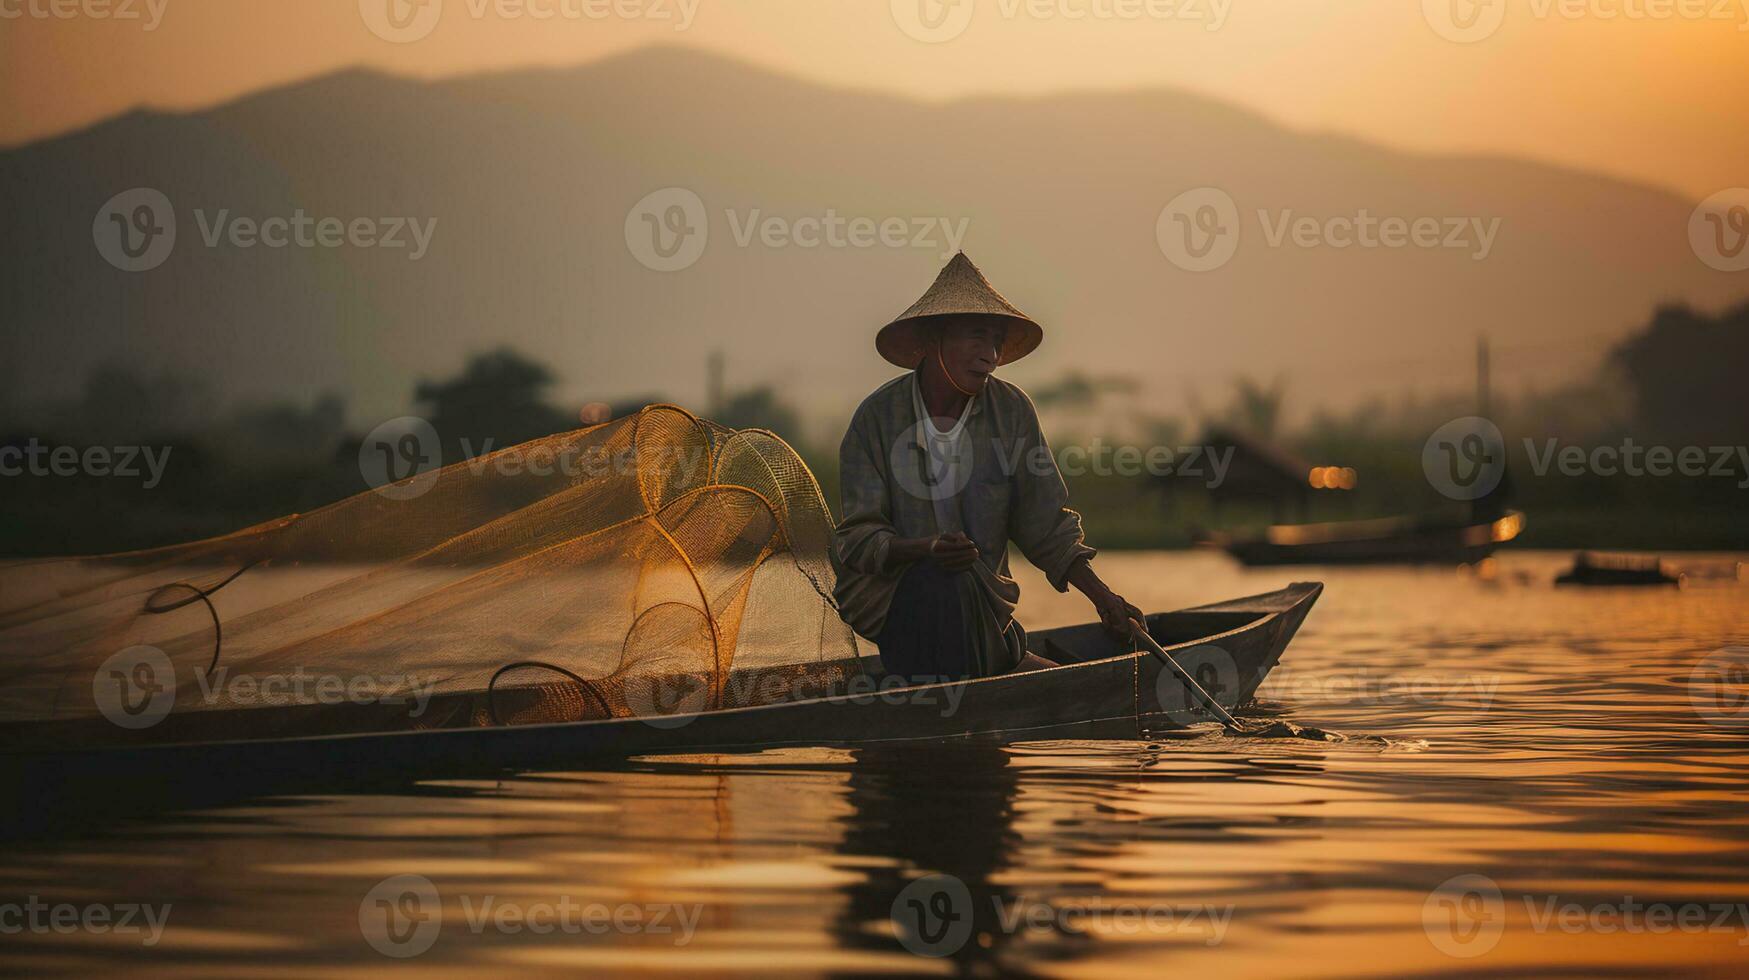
(1390, 540)
(1100, 688)
(1592, 568)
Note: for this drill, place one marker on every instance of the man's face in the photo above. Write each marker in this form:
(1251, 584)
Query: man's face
(970, 351)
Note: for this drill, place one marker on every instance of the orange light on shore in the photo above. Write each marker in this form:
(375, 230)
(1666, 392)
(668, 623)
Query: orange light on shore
(1333, 478)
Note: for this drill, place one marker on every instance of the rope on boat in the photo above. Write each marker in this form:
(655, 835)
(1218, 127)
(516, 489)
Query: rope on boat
(201, 595)
(492, 687)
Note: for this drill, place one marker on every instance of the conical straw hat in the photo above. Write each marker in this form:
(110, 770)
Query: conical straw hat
(960, 290)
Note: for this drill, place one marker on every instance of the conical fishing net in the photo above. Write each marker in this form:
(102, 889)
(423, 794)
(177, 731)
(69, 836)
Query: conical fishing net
(658, 563)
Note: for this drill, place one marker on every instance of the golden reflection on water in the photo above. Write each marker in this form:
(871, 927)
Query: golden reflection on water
(1543, 738)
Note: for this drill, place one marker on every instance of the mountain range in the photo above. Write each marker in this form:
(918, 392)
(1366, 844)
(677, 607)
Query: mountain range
(552, 200)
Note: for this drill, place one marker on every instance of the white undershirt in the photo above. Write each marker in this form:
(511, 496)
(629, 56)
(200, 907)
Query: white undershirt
(949, 464)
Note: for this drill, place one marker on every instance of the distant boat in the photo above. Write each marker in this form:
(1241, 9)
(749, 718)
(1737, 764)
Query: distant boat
(1259, 469)
(1594, 568)
(1387, 540)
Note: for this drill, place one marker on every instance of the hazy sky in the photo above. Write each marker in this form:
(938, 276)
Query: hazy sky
(1649, 89)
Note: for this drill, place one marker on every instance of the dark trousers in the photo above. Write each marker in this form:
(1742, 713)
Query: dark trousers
(925, 638)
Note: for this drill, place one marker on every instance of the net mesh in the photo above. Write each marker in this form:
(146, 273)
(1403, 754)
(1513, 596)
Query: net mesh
(654, 564)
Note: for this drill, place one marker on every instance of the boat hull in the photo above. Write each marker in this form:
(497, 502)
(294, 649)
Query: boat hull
(1367, 543)
(1099, 687)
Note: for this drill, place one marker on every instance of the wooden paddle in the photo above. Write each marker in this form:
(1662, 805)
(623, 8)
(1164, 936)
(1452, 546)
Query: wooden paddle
(1226, 718)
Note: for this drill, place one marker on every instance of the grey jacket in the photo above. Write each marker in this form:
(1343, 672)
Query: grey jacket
(1014, 493)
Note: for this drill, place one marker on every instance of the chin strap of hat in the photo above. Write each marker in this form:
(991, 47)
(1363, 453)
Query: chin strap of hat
(949, 374)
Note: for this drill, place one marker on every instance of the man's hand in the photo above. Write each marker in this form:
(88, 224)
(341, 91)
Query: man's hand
(1114, 612)
(953, 551)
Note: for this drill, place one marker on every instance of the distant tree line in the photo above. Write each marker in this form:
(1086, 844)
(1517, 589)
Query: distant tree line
(1677, 382)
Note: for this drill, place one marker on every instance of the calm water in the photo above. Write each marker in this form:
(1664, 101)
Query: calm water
(1555, 750)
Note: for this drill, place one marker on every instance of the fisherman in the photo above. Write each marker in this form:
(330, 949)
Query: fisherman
(941, 468)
